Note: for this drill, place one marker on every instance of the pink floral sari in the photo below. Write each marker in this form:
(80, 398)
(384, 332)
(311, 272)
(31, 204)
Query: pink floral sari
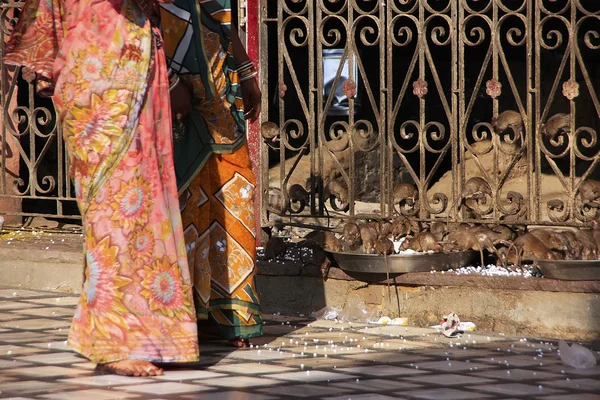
(102, 61)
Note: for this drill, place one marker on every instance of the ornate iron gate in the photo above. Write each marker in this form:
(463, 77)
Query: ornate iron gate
(488, 109)
(34, 179)
(412, 100)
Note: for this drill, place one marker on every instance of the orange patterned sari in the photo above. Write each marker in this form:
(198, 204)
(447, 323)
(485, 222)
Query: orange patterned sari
(217, 196)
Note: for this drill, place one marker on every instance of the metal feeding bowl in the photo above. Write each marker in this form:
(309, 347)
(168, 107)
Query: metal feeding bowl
(572, 270)
(403, 263)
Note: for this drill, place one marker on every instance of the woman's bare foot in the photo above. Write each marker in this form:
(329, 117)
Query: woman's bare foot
(131, 368)
(239, 342)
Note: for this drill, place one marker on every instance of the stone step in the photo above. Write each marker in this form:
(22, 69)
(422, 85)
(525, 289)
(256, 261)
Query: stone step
(531, 306)
(41, 260)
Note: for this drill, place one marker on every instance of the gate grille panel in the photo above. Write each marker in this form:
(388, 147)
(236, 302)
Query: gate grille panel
(34, 179)
(488, 108)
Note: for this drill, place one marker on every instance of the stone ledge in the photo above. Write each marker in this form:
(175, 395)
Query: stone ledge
(476, 281)
(27, 241)
(34, 259)
(273, 268)
(499, 282)
(289, 268)
(536, 313)
(35, 254)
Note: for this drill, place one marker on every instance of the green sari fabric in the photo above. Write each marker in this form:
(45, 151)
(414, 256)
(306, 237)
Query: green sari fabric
(184, 47)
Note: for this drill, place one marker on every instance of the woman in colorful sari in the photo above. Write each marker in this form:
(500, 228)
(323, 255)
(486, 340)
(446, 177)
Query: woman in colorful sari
(103, 62)
(215, 179)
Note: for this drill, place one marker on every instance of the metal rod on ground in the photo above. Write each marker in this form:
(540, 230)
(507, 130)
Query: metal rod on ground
(397, 298)
(387, 275)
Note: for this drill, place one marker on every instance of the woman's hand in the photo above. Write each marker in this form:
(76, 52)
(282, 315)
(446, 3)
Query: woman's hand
(181, 101)
(252, 96)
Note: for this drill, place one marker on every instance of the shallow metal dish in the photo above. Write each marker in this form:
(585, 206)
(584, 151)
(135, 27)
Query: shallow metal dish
(572, 270)
(400, 263)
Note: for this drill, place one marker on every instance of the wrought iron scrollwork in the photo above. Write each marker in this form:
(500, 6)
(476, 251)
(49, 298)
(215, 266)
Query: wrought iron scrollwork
(500, 90)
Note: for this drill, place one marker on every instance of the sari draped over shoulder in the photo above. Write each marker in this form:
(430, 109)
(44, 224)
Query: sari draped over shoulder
(103, 62)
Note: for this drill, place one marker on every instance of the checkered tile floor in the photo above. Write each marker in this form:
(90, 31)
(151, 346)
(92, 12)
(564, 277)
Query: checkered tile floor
(297, 358)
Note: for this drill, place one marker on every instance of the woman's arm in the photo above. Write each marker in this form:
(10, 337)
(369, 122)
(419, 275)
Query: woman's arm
(251, 93)
(239, 51)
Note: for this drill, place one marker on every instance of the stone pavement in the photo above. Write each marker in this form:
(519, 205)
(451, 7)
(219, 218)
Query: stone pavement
(297, 358)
